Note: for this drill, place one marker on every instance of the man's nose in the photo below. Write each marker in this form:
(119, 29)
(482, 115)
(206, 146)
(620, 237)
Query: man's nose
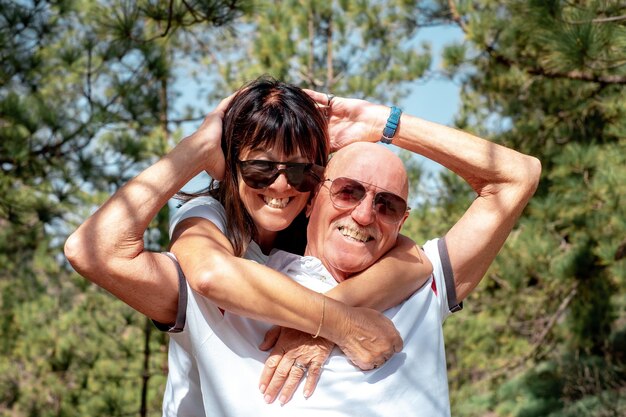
(364, 213)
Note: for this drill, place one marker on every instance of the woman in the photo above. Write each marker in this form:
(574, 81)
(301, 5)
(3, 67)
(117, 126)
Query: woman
(265, 121)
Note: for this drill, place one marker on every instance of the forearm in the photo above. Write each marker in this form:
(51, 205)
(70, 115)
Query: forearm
(115, 231)
(483, 164)
(250, 289)
(389, 281)
(503, 179)
(253, 290)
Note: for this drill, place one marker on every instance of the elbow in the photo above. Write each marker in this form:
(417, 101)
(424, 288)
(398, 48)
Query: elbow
(533, 174)
(204, 282)
(209, 278)
(86, 257)
(75, 251)
(524, 178)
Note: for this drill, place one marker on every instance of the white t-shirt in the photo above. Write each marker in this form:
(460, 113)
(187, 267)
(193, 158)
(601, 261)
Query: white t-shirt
(215, 363)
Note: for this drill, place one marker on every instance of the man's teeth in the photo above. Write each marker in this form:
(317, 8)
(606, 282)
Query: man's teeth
(355, 234)
(276, 202)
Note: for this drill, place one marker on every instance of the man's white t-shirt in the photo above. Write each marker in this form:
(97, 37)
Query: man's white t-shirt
(215, 363)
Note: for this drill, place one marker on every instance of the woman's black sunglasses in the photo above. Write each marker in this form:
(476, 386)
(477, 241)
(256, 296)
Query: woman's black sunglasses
(348, 193)
(302, 176)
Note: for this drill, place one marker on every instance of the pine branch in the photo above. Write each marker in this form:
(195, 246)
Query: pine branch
(539, 341)
(536, 70)
(597, 20)
(578, 75)
(456, 16)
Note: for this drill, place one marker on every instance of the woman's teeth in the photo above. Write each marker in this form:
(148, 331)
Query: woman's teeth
(276, 202)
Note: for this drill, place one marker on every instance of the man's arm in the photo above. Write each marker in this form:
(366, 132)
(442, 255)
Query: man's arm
(503, 179)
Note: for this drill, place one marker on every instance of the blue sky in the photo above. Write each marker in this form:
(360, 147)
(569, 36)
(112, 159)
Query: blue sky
(436, 99)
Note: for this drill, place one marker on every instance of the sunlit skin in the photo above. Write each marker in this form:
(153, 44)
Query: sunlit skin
(352, 239)
(272, 208)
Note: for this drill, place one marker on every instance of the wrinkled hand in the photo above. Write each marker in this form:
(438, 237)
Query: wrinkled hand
(371, 338)
(291, 347)
(211, 131)
(351, 120)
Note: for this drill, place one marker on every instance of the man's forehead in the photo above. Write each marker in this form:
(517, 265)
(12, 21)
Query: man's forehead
(360, 172)
(375, 169)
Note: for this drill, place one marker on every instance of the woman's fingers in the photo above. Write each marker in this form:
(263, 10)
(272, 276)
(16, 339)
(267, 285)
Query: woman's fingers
(269, 369)
(294, 355)
(282, 374)
(287, 378)
(270, 338)
(313, 375)
(296, 373)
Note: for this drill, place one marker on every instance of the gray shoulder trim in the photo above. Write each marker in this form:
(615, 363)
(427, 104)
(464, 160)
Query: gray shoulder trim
(448, 276)
(181, 314)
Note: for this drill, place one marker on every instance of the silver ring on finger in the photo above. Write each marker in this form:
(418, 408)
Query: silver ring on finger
(298, 365)
(330, 98)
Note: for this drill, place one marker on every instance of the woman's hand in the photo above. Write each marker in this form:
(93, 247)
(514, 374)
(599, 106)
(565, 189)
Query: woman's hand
(294, 355)
(369, 339)
(210, 133)
(351, 120)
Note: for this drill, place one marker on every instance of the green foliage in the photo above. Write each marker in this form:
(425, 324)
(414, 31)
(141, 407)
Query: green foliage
(84, 94)
(546, 78)
(352, 48)
(88, 98)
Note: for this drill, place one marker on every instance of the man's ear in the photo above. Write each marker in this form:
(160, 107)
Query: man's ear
(406, 216)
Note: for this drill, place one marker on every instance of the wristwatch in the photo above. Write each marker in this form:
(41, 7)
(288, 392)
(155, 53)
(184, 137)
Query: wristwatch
(392, 125)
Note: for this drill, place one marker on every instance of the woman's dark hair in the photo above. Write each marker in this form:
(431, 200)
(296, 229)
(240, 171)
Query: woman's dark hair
(264, 114)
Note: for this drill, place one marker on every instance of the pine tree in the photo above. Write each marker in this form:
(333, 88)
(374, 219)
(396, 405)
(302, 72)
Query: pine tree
(85, 95)
(544, 333)
(350, 48)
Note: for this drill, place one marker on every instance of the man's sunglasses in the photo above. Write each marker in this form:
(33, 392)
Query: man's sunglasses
(348, 193)
(302, 176)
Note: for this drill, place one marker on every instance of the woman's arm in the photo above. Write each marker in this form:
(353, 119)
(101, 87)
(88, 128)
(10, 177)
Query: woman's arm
(385, 284)
(256, 291)
(389, 281)
(108, 248)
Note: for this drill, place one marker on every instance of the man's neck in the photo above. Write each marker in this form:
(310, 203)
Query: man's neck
(336, 273)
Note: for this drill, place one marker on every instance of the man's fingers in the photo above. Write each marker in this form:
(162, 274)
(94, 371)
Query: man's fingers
(319, 98)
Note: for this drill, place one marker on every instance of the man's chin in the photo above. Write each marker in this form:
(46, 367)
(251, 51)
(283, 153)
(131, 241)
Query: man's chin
(350, 265)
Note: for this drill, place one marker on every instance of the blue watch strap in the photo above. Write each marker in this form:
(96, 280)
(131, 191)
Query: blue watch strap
(392, 124)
